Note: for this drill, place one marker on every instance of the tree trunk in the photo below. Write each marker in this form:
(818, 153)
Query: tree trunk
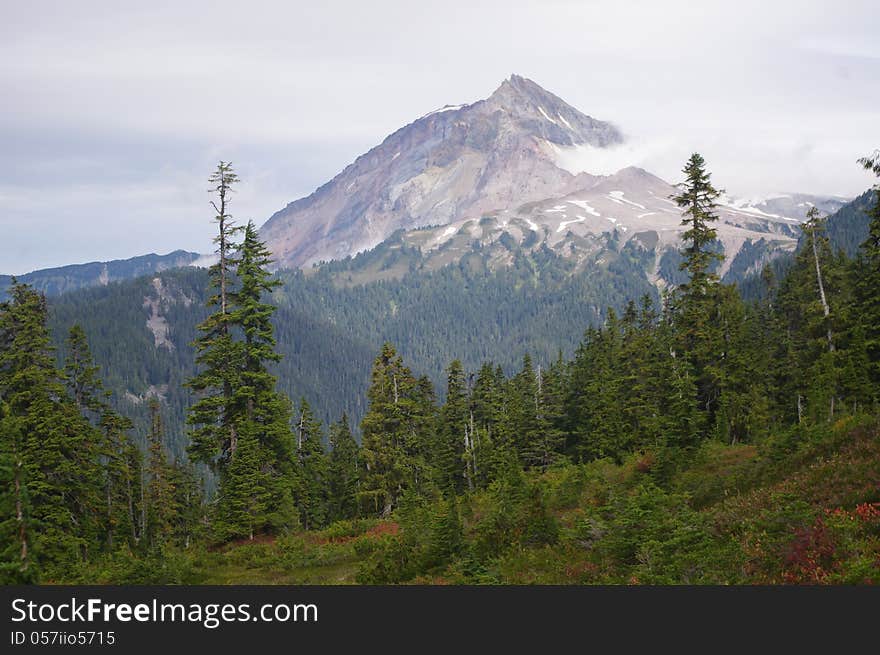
(109, 515)
(19, 517)
(825, 308)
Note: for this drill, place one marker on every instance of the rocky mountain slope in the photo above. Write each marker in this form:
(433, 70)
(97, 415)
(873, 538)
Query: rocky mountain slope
(629, 214)
(520, 167)
(453, 163)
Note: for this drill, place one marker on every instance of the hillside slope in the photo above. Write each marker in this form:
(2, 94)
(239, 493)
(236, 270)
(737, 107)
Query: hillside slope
(800, 508)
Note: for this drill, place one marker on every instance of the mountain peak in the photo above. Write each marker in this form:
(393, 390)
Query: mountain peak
(523, 87)
(534, 109)
(517, 83)
(452, 163)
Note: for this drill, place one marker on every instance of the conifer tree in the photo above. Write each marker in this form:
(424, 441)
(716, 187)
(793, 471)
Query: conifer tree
(114, 447)
(222, 181)
(81, 373)
(446, 533)
(697, 200)
(213, 438)
(697, 296)
(255, 401)
(523, 403)
(310, 469)
(488, 411)
(421, 419)
(809, 316)
(546, 444)
(102, 455)
(122, 475)
(161, 514)
(813, 228)
(188, 502)
(343, 473)
(868, 279)
(246, 495)
(452, 436)
(58, 442)
(16, 525)
(236, 391)
(387, 466)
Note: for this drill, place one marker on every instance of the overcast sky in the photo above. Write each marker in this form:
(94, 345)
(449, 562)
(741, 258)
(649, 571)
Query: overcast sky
(114, 113)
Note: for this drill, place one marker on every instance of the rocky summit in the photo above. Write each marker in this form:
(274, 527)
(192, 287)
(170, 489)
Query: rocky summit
(452, 163)
(520, 167)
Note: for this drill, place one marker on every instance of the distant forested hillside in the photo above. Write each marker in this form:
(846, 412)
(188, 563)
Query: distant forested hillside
(55, 281)
(328, 334)
(329, 326)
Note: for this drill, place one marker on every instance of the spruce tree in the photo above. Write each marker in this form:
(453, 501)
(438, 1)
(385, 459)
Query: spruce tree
(236, 390)
(343, 472)
(452, 435)
(246, 495)
(16, 525)
(213, 437)
(57, 450)
(868, 279)
(161, 514)
(697, 297)
(310, 469)
(385, 428)
(697, 200)
(255, 401)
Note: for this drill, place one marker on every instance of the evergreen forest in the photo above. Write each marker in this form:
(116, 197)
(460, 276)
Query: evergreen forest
(714, 432)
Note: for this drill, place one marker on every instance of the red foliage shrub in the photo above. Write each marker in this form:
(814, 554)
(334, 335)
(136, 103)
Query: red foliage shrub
(810, 557)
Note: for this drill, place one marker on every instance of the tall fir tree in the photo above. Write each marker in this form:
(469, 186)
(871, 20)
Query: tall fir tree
(311, 488)
(386, 448)
(58, 451)
(343, 472)
(256, 402)
(236, 391)
(868, 280)
(697, 298)
(161, 512)
(452, 434)
(213, 437)
(16, 525)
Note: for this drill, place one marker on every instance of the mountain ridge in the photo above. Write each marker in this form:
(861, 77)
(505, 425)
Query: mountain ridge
(71, 277)
(499, 156)
(476, 157)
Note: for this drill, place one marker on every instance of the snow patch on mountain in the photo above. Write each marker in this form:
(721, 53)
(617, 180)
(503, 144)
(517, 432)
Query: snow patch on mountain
(583, 204)
(541, 109)
(444, 109)
(565, 224)
(618, 196)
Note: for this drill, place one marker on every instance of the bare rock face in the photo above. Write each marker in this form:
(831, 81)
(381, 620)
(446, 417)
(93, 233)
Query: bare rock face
(454, 163)
(604, 215)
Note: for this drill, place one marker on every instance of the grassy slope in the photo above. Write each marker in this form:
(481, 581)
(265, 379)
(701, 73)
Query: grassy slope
(800, 508)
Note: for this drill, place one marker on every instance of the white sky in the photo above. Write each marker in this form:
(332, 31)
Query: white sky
(114, 113)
